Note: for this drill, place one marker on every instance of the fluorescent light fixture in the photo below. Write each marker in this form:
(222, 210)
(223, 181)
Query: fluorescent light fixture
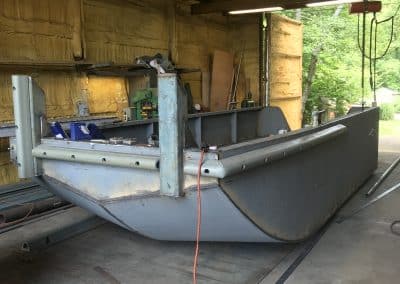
(334, 2)
(260, 10)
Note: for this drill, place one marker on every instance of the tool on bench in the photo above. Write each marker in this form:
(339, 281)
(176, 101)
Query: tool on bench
(58, 131)
(78, 130)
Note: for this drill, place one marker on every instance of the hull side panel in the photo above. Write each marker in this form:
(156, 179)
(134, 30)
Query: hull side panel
(292, 198)
(166, 218)
(171, 219)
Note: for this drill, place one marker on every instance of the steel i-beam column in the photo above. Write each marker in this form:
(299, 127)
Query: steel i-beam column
(29, 112)
(171, 111)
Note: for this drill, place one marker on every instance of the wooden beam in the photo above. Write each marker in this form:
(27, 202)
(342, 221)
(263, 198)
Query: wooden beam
(224, 6)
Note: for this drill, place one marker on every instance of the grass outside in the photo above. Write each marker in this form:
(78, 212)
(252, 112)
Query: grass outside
(389, 128)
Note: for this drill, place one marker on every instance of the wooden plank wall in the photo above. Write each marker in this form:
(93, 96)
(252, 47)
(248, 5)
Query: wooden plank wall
(120, 31)
(33, 32)
(100, 31)
(196, 39)
(286, 49)
(110, 30)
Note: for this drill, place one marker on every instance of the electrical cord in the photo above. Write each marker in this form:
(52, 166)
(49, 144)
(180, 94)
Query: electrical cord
(198, 225)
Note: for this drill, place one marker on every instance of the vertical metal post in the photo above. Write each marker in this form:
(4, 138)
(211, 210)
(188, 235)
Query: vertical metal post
(262, 59)
(29, 108)
(20, 86)
(171, 111)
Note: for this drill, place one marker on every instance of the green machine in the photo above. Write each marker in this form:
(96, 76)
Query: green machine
(144, 103)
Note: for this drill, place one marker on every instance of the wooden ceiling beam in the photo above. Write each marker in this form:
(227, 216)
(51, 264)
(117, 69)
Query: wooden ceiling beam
(224, 6)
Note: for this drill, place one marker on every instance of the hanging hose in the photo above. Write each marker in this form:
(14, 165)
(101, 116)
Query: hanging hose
(363, 63)
(372, 49)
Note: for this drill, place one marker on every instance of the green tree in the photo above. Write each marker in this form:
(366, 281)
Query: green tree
(330, 35)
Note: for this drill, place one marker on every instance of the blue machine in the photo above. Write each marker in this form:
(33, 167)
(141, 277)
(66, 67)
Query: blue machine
(58, 131)
(95, 132)
(79, 131)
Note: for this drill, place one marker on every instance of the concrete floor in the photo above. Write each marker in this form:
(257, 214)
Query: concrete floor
(359, 250)
(109, 254)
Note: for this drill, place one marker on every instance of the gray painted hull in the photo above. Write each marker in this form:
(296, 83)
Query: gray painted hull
(286, 200)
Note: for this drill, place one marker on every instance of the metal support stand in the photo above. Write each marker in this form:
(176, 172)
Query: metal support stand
(171, 112)
(29, 113)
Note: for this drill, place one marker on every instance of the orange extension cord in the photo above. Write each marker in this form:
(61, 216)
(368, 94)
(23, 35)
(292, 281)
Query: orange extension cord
(198, 225)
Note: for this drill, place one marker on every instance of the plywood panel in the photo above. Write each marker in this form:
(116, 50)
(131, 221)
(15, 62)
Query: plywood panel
(221, 80)
(285, 86)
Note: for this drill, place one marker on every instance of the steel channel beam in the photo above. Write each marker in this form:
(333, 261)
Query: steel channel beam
(243, 162)
(211, 167)
(96, 157)
(21, 86)
(172, 114)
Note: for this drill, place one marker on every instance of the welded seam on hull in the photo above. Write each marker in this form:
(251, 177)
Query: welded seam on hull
(155, 194)
(85, 196)
(250, 219)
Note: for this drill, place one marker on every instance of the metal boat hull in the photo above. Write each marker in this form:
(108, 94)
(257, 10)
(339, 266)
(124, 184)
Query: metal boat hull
(285, 200)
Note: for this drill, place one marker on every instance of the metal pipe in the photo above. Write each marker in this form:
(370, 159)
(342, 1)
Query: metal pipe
(243, 162)
(20, 211)
(96, 157)
(369, 203)
(383, 177)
